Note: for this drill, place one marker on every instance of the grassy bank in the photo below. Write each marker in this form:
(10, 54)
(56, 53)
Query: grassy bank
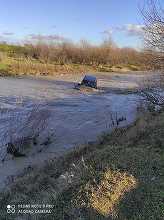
(119, 177)
(17, 66)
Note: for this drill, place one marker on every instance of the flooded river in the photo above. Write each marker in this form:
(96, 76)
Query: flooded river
(75, 117)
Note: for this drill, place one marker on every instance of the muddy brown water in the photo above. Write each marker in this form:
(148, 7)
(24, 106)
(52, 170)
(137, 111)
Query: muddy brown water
(75, 117)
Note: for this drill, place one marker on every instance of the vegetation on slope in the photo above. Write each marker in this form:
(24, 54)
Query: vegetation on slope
(119, 177)
(63, 56)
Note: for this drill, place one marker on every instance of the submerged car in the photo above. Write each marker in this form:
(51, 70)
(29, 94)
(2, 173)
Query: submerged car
(89, 81)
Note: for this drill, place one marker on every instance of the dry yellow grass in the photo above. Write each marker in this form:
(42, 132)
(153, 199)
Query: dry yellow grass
(108, 193)
(33, 67)
(29, 66)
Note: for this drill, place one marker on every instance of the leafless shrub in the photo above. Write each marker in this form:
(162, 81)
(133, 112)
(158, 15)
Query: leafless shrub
(154, 97)
(23, 128)
(113, 120)
(153, 14)
(152, 91)
(67, 52)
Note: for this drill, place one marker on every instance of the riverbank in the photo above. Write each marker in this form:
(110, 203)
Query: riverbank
(19, 67)
(118, 177)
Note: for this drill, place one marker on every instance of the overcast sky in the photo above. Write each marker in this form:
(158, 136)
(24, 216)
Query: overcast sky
(74, 19)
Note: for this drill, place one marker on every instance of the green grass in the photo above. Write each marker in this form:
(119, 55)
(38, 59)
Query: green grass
(4, 67)
(119, 177)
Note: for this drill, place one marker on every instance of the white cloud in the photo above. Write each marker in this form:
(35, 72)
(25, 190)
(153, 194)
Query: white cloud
(47, 37)
(8, 33)
(107, 32)
(134, 29)
(130, 29)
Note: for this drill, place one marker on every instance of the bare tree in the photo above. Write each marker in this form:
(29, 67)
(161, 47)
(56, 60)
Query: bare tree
(153, 14)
